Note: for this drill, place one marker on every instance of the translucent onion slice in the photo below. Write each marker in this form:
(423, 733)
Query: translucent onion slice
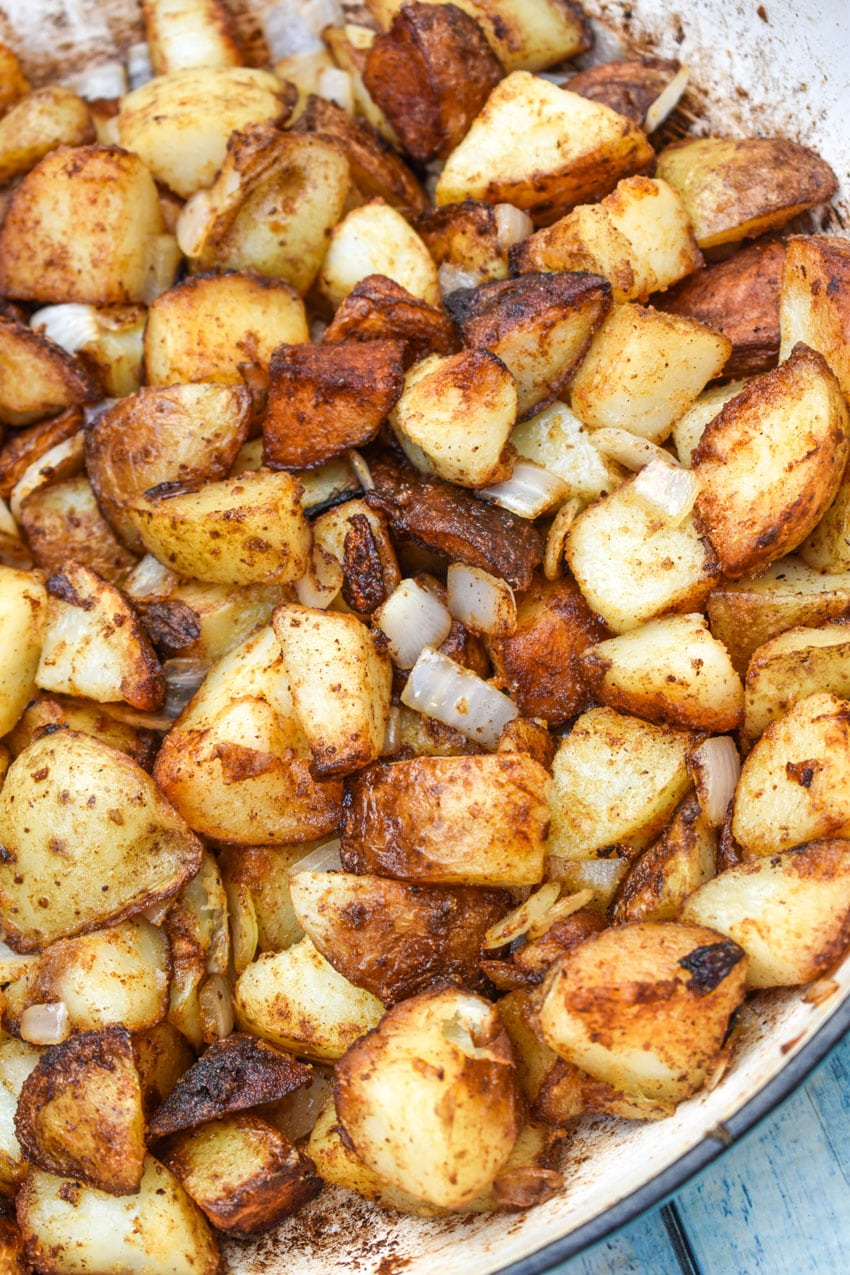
(667, 100)
(105, 81)
(193, 222)
(666, 490)
(325, 858)
(629, 449)
(556, 541)
(558, 912)
(65, 460)
(453, 277)
(215, 1008)
(519, 921)
(481, 601)
(150, 579)
(46, 1024)
(292, 28)
(361, 469)
(392, 735)
(322, 580)
(335, 85)
(71, 325)
(512, 226)
(442, 689)
(715, 767)
(529, 491)
(139, 69)
(163, 261)
(182, 679)
(412, 618)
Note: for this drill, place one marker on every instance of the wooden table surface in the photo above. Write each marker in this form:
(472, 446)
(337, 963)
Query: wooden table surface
(776, 1203)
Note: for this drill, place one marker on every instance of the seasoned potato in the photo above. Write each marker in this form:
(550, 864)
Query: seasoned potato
(737, 188)
(70, 1229)
(557, 440)
(82, 226)
(630, 87)
(790, 667)
(771, 462)
(180, 123)
(256, 879)
(543, 149)
(162, 1057)
(13, 82)
(468, 237)
(378, 308)
(63, 522)
(813, 306)
(441, 1131)
(689, 428)
(376, 240)
(204, 329)
(205, 621)
(80, 1112)
(668, 872)
(616, 781)
(23, 611)
(669, 670)
(38, 123)
(539, 325)
(17, 1060)
(100, 818)
(295, 999)
(353, 555)
(449, 820)
(189, 33)
(646, 1007)
(794, 783)
(643, 370)
(37, 377)
(44, 711)
(790, 912)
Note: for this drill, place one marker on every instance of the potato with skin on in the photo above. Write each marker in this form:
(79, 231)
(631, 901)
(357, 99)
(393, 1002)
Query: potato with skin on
(737, 188)
(17, 1061)
(794, 784)
(378, 308)
(340, 682)
(813, 302)
(39, 122)
(44, 711)
(680, 861)
(100, 819)
(325, 398)
(460, 820)
(689, 429)
(296, 1000)
(616, 781)
(71, 1228)
(203, 329)
(543, 149)
(180, 123)
(94, 645)
(539, 325)
(790, 667)
(646, 1006)
(62, 521)
(181, 34)
(375, 239)
(629, 87)
(465, 235)
(556, 439)
(790, 912)
(82, 226)
(643, 370)
(37, 377)
(771, 463)
(670, 670)
(23, 612)
(80, 1112)
(441, 1131)
(455, 415)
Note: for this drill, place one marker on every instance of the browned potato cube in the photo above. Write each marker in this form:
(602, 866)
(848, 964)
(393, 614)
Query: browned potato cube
(629, 87)
(80, 1112)
(430, 74)
(771, 462)
(790, 667)
(62, 521)
(668, 872)
(814, 305)
(326, 398)
(38, 123)
(378, 308)
(37, 377)
(466, 236)
(376, 239)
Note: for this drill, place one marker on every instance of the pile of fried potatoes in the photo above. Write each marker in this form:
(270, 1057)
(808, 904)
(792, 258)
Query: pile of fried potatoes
(424, 599)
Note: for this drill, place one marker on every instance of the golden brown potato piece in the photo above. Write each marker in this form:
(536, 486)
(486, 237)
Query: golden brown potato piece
(431, 74)
(376, 239)
(814, 305)
(376, 169)
(326, 398)
(256, 879)
(392, 938)
(231, 1075)
(45, 711)
(180, 434)
(740, 298)
(62, 521)
(205, 329)
(524, 735)
(398, 817)
(629, 87)
(189, 33)
(81, 227)
(540, 661)
(80, 1112)
(467, 236)
(539, 325)
(24, 447)
(668, 872)
(378, 308)
(242, 1173)
(162, 1056)
(543, 149)
(38, 123)
(791, 666)
(37, 377)
(737, 188)
(443, 1131)
(23, 615)
(13, 82)
(771, 462)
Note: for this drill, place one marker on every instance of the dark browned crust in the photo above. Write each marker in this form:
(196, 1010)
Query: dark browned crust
(376, 169)
(71, 384)
(628, 87)
(464, 234)
(363, 585)
(63, 521)
(708, 965)
(171, 625)
(740, 298)
(431, 74)
(233, 1074)
(378, 308)
(324, 399)
(454, 524)
(25, 446)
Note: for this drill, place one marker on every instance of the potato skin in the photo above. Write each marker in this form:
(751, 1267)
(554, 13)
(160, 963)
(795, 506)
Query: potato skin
(629, 87)
(378, 308)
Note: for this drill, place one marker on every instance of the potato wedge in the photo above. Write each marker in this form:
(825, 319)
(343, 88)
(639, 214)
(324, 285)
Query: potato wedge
(23, 612)
(467, 1087)
(63, 522)
(376, 240)
(682, 859)
(813, 305)
(101, 818)
(37, 377)
(556, 439)
(771, 463)
(39, 122)
(790, 667)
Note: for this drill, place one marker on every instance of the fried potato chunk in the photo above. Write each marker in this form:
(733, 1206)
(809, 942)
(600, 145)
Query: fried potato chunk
(791, 666)
(62, 522)
(682, 859)
(46, 118)
(629, 87)
(375, 239)
(814, 306)
(23, 613)
(37, 377)
(771, 463)
(378, 308)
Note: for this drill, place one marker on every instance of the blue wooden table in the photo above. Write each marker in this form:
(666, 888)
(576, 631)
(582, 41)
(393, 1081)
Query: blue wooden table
(776, 1203)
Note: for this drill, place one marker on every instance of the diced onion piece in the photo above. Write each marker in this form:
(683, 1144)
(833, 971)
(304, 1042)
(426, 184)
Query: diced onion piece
(715, 767)
(8, 526)
(667, 100)
(392, 734)
(62, 461)
(46, 1024)
(529, 491)
(558, 912)
(324, 858)
(322, 580)
(512, 225)
(520, 920)
(139, 69)
(163, 262)
(821, 990)
(182, 679)
(362, 472)
(94, 411)
(192, 223)
(453, 277)
(71, 325)
(215, 1008)
(666, 490)
(137, 717)
(157, 912)
(105, 81)
(412, 618)
(296, 27)
(483, 602)
(318, 328)
(556, 540)
(335, 85)
(444, 690)
(150, 579)
(629, 449)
